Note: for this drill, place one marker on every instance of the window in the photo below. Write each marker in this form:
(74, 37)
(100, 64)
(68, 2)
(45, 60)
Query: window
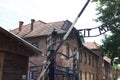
(83, 75)
(84, 57)
(80, 75)
(91, 76)
(33, 72)
(87, 58)
(88, 76)
(93, 61)
(67, 49)
(81, 54)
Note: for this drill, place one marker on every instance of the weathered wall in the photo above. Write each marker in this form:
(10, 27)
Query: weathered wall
(88, 65)
(10, 45)
(15, 67)
(1, 64)
(61, 60)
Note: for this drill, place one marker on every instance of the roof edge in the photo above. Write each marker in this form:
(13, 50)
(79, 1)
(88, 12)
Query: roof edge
(38, 51)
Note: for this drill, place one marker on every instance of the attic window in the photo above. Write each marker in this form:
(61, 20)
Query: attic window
(67, 49)
(35, 44)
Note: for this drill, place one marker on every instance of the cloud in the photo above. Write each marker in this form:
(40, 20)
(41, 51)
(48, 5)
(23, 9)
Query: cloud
(12, 11)
(45, 9)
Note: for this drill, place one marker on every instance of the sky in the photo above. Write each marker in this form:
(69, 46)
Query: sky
(13, 11)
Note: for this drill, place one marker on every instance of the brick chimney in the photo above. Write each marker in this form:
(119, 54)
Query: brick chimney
(20, 25)
(32, 22)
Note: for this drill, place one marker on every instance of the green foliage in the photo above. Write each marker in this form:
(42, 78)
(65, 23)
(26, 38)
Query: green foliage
(109, 11)
(111, 46)
(114, 68)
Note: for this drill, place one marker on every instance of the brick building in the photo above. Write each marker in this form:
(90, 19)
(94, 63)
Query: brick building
(105, 68)
(87, 60)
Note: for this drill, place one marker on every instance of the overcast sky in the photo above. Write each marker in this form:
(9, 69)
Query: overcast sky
(13, 11)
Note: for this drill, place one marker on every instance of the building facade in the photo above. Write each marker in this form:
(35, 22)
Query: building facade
(89, 62)
(105, 68)
(73, 60)
(14, 56)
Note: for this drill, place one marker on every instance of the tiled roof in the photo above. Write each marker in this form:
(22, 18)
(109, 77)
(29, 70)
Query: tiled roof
(39, 29)
(91, 45)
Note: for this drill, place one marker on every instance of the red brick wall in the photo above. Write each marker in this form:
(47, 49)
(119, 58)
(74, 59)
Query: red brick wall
(38, 60)
(87, 71)
(89, 65)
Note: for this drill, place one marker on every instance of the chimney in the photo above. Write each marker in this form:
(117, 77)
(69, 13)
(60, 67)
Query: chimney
(20, 25)
(32, 22)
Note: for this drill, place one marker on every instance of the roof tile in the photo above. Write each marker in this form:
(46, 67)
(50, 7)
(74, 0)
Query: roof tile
(39, 29)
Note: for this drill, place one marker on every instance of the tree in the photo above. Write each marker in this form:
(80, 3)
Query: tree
(109, 12)
(111, 46)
